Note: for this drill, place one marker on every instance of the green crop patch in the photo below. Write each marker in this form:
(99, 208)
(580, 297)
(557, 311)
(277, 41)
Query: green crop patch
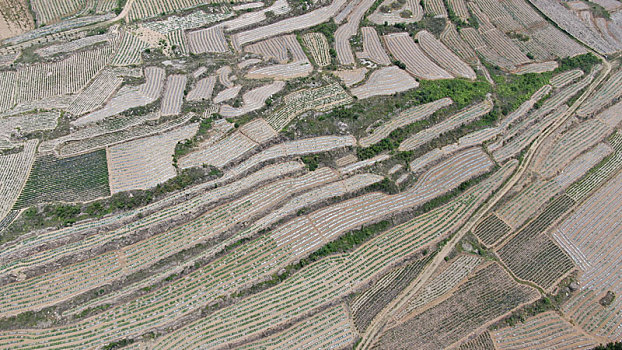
(75, 179)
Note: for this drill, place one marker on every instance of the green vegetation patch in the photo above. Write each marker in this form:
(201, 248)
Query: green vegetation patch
(80, 178)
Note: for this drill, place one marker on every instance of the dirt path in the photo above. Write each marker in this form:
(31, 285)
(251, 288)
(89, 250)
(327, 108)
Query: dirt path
(380, 321)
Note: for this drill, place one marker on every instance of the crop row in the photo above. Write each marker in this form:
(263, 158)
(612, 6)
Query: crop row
(207, 40)
(547, 330)
(260, 258)
(482, 342)
(491, 230)
(599, 174)
(442, 284)
(79, 178)
(443, 56)
(488, 294)
(14, 170)
(279, 49)
(96, 93)
(404, 49)
(41, 80)
(330, 329)
(348, 30)
(321, 99)
(531, 255)
(129, 50)
(150, 8)
(385, 81)
(368, 304)
(147, 162)
(329, 278)
(46, 247)
(463, 117)
(317, 45)
(372, 48)
(129, 96)
(582, 164)
(253, 99)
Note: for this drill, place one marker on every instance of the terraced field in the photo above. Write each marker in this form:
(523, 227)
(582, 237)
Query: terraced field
(396, 174)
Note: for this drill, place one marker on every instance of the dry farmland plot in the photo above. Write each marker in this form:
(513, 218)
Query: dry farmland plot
(349, 29)
(608, 92)
(79, 178)
(368, 304)
(202, 90)
(279, 49)
(404, 49)
(94, 130)
(452, 276)
(96, 93)
(459, 7)
(228, 94)
(481, 342)
(24, 124)
(372, 48)
(221, 153)
(129, 97)
(130, 131)
(571, 144)
(394, 17)
(328, 329)
(191, 21)
(130, 50)
(351, 76)
(252, 100)
(317, 45)
(531, 255)
(488, 294)
(544, 331)
(13, 174)
(491, 230)
(565, 78)
(278, 7)
(435, 8)
(207, 40)
(441, 55)
(144, 163)
(321, 99)
(385, 81)
(194, 289)
(451, 39)
(611, 116)
(570, 23)
(330, 278)
(51, 11)
(591, 236)
(520, 208)
(173, 95)
(406, 117)
(73, 45)
(477, 43)
(41, 80)
(537, 67)
(582, 164)
(463, 117)
(289, 25)
(15, 18)
(151, 8)
(600, 174)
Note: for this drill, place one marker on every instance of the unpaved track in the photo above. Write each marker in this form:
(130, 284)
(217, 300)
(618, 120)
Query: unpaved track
(382, 319)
